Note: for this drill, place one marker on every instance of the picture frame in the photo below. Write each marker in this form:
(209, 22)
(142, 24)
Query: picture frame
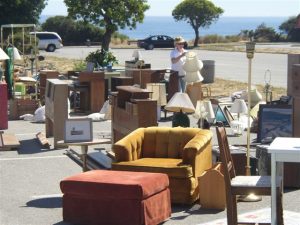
(78, 130)
(228, 114)
(220, 116)
(274, 121)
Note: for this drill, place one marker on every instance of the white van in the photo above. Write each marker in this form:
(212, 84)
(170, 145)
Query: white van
(48, 41)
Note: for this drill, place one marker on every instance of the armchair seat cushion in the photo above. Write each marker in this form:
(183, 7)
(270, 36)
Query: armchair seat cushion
(170, 166)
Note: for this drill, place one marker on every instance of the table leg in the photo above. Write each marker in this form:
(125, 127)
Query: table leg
(273, 190)
(84, 150)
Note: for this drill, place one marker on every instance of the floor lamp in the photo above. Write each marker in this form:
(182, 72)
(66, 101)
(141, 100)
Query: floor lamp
(250, 47)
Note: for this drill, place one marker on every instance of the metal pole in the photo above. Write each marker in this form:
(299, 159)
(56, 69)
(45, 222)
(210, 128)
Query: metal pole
(248, 167)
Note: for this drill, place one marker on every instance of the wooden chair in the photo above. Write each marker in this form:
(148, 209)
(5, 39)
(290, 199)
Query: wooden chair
(243, 185)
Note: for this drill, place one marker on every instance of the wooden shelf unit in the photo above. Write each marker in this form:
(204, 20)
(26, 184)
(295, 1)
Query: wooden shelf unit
(97, 90)
(131, 109)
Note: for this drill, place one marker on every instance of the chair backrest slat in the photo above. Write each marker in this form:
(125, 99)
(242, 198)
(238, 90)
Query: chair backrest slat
(226, 159)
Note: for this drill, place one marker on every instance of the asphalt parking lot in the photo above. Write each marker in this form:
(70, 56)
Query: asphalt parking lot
(29, 182)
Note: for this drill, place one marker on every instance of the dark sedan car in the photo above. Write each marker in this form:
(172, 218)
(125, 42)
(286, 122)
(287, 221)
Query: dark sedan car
(157, 41)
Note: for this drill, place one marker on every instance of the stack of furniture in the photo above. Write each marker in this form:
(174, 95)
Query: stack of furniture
(131, 109)
(181, 153)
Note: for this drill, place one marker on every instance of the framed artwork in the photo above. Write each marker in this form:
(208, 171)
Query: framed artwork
(78, 130)
(274, 121)
(221, 117)
(228, 114)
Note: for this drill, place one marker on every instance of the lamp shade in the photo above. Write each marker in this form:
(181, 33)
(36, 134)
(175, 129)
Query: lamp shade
(239, 106)
(209, 109)
(180, 102)
(192, 67)
(192, 63)
(137, 54)
(200, 111)
(16, 54)
(3, 55)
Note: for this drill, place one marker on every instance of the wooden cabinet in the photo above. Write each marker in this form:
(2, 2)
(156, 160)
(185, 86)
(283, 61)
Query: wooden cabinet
(131, 109)
(296, 117)
(44, 75)
(56, 109)
(292, 59)
(97, 89)
(3, 106)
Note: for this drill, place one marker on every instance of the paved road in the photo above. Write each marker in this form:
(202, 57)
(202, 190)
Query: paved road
(228, 65)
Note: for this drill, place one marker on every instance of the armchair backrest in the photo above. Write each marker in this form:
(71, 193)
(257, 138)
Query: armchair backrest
(166, 142)
(162, 142)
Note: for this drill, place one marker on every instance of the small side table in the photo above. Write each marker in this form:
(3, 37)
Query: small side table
(84, 148)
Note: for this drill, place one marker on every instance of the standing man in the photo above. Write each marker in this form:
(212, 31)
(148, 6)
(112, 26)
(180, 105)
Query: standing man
(178, 58)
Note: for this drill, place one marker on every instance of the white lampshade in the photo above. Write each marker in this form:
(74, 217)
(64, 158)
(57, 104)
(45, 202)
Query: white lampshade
(137, 54)
(239, 106)
(204, 109)
(16, 54)
(200, 111)
(192, 67)
(192, 63)
(209, 109)
(180, 102)
(3, 55)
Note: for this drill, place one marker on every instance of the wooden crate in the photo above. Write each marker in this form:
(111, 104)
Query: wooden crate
(19, 107)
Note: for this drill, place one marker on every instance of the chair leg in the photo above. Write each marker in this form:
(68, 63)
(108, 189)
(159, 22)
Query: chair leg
(231, 209)
(279, 207)
(234, 210)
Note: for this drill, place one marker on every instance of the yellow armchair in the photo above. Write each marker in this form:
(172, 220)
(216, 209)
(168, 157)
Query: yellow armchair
(182, 153)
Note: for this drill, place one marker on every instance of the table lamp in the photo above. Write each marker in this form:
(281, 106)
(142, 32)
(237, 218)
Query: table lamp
(239, 106)
(137, 55)
(204, 111)
(3, 56)
(180, 104)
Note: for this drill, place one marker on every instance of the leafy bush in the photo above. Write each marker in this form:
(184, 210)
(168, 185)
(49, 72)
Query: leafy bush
(101, 58)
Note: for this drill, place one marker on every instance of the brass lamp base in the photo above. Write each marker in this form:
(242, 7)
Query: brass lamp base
(249, 198)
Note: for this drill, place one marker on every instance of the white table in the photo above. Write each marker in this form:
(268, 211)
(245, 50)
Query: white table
(281, 150)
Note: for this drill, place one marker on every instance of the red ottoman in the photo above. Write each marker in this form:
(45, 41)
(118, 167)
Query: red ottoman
(116, 197)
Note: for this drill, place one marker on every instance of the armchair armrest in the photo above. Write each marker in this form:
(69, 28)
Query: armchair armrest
(129, 148)
(198, 152)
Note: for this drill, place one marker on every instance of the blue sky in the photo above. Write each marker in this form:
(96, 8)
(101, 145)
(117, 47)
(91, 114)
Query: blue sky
(282, 8)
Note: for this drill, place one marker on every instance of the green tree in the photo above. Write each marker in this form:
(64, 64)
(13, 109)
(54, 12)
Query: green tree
(111, 14)
(289, 27)
(263, 33)
(21, 11)
(198, 13)
(73, 32)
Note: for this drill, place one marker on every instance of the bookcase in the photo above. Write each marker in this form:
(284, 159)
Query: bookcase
(56, 109)
(131, 109)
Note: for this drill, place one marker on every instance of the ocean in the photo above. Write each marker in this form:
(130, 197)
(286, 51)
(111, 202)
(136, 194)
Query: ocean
(153, 25)
(223, 26)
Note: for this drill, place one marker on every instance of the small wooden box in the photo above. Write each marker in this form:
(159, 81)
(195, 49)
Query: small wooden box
(19, 107)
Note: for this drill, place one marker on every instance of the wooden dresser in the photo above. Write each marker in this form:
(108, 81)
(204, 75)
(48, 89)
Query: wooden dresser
(131, 108)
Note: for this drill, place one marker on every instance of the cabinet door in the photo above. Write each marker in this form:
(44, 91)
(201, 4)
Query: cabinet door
(296, 116)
